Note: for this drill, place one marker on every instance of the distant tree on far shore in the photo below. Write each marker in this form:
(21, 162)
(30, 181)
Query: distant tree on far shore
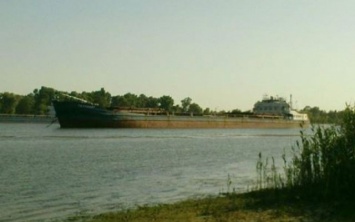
(127, 100)
(43, 99)
(207, 111)
(195, 109)
(317, 115)
(8, 102)
(101, 97)
(185, 104)
(26, 105)
(166, 103)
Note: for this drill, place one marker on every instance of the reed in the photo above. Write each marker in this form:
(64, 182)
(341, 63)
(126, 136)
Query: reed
(322, 165)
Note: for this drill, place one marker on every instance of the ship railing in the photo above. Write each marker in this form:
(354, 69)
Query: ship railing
(75, 98)
(147, 111)
(269, 116)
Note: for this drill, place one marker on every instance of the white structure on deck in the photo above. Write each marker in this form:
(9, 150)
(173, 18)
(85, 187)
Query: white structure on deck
(298, 116)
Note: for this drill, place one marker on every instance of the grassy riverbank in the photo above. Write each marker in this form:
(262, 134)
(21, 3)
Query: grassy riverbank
(315, 185)
(266, 205)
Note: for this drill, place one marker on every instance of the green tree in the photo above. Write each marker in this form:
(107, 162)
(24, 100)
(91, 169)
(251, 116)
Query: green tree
(116, 101)
(8, 102)
(127, 100)
(236, 111)
(142, 101)
(335, 117)
(166, 103)
(185, 104)
(207, 111)
(26, 105)
(152, 102)
(43, 99)
(101, 97)
(316, 115)
(195, 109)
(177, 109)
(132, 100)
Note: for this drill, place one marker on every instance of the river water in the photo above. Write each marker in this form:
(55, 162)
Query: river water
(48, 173)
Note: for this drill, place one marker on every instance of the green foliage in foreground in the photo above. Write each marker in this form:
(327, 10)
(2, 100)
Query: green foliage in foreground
(322, 166)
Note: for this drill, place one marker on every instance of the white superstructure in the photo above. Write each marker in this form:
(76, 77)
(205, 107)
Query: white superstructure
(277, 106)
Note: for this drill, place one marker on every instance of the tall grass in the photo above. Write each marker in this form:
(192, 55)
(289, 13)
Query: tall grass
(322, 165)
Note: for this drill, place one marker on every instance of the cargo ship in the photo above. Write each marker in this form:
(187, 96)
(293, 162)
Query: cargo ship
(268, 113)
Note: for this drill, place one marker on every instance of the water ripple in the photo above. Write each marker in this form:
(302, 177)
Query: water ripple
(51, 174)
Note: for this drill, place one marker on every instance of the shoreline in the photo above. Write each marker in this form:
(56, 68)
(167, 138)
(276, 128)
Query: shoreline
(264, 205)
(16, 118)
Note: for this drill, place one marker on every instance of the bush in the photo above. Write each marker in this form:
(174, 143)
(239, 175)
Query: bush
(323, 164)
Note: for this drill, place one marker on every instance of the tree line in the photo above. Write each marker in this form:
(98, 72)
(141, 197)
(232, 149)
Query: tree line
(38, 101)
(316, 115)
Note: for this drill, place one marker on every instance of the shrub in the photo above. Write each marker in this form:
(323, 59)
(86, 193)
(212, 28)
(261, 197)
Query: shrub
(322, 166)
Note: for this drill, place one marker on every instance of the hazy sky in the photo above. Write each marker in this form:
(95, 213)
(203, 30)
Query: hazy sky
(223, 54)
